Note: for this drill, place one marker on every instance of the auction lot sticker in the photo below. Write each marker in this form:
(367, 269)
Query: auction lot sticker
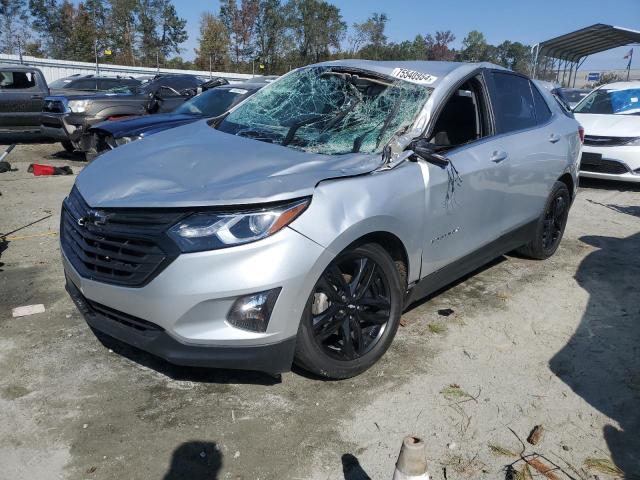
(413, 76)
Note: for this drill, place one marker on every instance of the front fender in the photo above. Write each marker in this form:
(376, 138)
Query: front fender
(345, 210)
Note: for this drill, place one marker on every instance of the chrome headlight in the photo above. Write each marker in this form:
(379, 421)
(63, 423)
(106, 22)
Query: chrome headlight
(78, 106)
(210, 231)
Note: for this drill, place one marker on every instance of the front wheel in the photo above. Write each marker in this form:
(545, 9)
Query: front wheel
(352, 314)
(551, 224)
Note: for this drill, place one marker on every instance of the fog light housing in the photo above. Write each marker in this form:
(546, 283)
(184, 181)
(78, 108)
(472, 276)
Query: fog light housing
(252, 312)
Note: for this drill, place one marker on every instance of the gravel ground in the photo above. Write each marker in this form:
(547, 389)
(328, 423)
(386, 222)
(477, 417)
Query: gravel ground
(552, 343)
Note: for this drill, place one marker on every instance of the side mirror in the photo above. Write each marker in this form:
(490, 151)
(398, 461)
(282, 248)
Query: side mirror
(427, 151)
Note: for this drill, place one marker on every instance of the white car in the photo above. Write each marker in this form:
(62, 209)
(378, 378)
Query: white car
(610, 116)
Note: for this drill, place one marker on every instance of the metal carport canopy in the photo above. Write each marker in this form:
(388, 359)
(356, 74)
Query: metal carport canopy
(587, 41)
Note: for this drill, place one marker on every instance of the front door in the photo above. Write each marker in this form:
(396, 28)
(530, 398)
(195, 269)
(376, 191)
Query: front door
(465, 200)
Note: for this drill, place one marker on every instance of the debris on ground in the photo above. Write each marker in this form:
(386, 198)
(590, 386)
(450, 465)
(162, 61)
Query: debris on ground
(454, 392)
(499, 450)
(42, 170)
(6, 166)
(445, 312)
(603, 465)
(535, 435)
(27, 310)
(436, 328)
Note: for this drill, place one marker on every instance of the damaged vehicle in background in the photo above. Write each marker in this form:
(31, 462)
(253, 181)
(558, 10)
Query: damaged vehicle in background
(297, 227)
(610, 116)
(68, 118)
(211, 103)
(90, 83)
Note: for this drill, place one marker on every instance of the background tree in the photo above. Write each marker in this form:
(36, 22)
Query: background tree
(13, 20)
(316, 28)
(121, 31)
(515, 56)
(161, 30)
(213, 43)
(370, 36)
(240, 24)
(438, 45)
(270, 38)
(475, 48)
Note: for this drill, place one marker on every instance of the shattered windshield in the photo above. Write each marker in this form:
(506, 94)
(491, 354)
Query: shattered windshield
(618, 102)
(329, 110)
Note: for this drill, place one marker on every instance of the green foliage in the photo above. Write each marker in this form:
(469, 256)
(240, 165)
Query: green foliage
(212, 44)
(13, 17)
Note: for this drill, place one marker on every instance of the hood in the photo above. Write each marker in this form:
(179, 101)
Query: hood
(145, 124)
(609, 125)
(196, 165)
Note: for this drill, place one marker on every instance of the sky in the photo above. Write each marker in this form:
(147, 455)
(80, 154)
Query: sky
(525, 21)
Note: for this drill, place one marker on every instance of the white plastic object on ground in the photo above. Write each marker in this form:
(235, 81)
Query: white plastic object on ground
(412, 460)
(27, 310)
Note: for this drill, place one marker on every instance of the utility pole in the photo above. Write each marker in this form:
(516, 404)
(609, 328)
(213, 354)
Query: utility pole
(20, 48)
(158, 61)
(210, 66)
(95, 42)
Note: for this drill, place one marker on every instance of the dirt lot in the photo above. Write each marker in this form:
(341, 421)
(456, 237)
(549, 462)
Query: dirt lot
(554, 343)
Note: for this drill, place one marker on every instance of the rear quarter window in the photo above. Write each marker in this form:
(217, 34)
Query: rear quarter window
(17, 80)
(513, 103)
(543, 113)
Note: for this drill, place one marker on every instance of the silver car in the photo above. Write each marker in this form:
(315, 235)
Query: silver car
(299, 226)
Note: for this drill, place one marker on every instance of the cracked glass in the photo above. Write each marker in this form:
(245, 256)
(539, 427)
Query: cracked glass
(329, 110)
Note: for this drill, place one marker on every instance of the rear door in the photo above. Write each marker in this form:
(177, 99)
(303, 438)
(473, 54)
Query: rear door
(21, 98)
(535, 150)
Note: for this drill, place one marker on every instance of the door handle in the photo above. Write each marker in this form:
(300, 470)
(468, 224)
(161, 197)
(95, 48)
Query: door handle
(37, 97)
(554, 138)
(497, 157)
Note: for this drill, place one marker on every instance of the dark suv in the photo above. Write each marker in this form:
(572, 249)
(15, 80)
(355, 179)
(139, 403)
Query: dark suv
(91, 83)
(68, 118)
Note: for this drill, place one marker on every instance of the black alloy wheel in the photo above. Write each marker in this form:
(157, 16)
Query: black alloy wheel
(554, 221)
(550, 225)
(352, 313)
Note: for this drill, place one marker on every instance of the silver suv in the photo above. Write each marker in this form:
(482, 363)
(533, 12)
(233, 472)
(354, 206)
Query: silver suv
(297, 227)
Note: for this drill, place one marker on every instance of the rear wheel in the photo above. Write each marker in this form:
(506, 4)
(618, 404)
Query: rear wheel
(551, 224)
(352, 314)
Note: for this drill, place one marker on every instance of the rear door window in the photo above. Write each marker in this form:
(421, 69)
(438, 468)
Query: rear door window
(543, 113)
(17, 80)
(512, 101)
(84, 84)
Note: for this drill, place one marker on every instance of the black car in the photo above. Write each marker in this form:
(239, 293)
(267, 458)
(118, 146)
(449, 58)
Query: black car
(211, 103)
(68, 118)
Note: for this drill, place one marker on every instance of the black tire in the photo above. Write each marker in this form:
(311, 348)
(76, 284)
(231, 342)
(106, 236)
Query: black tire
(68, 146)
(362, 291)
(550, 226)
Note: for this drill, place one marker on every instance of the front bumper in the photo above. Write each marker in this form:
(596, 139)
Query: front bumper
(273, 358)
(626, 156)
(189, 301)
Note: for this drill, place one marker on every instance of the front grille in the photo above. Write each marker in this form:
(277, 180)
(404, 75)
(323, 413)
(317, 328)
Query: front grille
(595, 163)
(125, 247)
(599, 141)
(53, 106)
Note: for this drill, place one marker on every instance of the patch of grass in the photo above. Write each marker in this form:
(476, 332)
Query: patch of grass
(454, 392)
(436, 328)
(524, 473)
(498, 450)
(603, 465)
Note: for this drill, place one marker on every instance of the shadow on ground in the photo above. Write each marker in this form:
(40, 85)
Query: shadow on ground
(601, 361)
(180, 373)
(195, 461)
(351, 468)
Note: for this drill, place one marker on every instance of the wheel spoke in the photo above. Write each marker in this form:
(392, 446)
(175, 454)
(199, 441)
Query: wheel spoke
(327, 322)
(336, 279)
(347, 341)
(362, 279)
(325, 286)
(379, 302)
(357, 336)
(374, 318)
